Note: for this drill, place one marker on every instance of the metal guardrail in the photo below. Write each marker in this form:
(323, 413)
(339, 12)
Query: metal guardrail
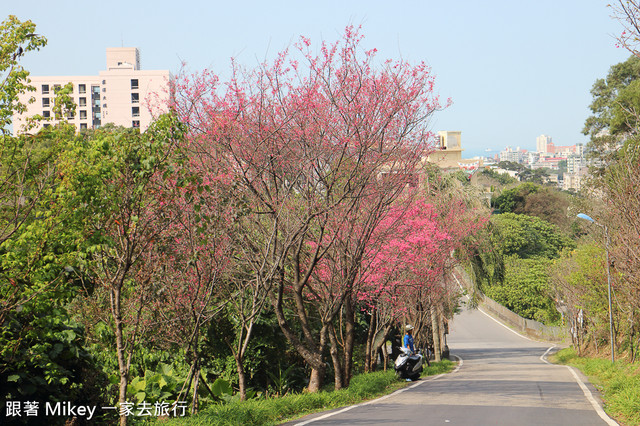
(531, 328)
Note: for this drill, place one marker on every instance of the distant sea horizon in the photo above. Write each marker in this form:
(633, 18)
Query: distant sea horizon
(469, 153)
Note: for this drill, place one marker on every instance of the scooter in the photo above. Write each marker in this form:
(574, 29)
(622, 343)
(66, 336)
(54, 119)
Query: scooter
(408, 364)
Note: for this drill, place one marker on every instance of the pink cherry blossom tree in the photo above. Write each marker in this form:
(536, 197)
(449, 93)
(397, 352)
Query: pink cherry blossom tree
(309, 138)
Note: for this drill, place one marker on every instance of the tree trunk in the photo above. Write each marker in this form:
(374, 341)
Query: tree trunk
(435, 331)
(120, 349)
(385, 356)
(350, 337)
(368, 364)
(379, 348)
(312, 354)
(335, 358)
(316, 379)
(194, 402)
(242, 378)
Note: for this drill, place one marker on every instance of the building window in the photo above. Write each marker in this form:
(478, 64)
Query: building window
(82, 88)
(56, 87)
(70, 115)
(82, 102)
(135, 111)
(45, 102)
(46, 114)
(104, 81)
(135, 123)
(134, 83)
(45, 89)
(135, 98)
(83, 115)
(104, 90)
(83, 126)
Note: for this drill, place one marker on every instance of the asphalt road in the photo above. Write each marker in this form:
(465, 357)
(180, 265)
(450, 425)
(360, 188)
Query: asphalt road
(502, 380)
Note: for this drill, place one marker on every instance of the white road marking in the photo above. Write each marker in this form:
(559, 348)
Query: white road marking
(582, 385)
(585, 389)
(543, 357)
(382, 398)
(591, 399)
(460, 362)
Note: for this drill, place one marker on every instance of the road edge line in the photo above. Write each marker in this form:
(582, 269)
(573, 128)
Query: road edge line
(587, 393)
(382, 398)
(543, 357)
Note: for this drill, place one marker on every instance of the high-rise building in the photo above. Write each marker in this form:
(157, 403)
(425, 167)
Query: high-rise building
(123, 94)
(541, 143)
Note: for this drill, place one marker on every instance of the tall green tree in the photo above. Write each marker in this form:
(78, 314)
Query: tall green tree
(614, 128)
(41, 347)
(17, 38)
(615, 108)
(113, 183)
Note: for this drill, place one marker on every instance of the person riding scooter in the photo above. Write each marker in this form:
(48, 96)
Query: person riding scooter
(408, 364)
(407, 341)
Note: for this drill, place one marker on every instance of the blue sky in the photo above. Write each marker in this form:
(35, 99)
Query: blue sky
(514, 69)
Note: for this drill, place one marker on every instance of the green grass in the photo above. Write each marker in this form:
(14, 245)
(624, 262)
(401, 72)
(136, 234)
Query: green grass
(273, 411)
(619, 383)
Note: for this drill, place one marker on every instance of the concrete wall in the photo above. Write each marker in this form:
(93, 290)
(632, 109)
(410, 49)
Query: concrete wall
(531, 328)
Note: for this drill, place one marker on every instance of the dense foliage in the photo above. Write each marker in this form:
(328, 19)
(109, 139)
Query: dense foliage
(512, 263)
(613, 201)
(534, 200)
(265, 236)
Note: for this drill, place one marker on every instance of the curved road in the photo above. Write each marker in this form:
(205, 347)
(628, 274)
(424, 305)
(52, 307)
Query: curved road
(503, 379)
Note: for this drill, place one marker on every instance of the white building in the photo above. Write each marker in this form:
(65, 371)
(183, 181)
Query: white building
(448, 152)
(575, 163)
(123, 94)
(514, 155)
(574, 181)
(541, 143)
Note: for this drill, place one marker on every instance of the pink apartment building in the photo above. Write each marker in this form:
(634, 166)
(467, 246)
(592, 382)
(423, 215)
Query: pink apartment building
(123, 94)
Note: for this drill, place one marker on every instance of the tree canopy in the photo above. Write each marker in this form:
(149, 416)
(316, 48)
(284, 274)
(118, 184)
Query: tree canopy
(528, 236)
(534, 200)
(16, 39)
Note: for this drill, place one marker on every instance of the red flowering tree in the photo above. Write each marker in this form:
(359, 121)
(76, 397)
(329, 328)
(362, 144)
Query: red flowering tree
(409, 259)
(308, 140)
(194, 255)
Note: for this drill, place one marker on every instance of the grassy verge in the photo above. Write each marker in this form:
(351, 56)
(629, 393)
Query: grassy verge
(277, 410)
(619, 383)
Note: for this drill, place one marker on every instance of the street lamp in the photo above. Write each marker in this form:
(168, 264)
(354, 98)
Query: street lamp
(606, 244)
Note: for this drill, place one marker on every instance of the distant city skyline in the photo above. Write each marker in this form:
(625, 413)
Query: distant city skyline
(514, 70)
